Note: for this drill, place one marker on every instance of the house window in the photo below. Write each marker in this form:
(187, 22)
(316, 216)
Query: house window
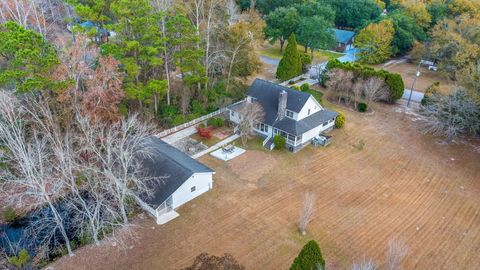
(192, 189)
(252, 99)
(289, 113)
(308, 111)
(261, 127)
(324, 124)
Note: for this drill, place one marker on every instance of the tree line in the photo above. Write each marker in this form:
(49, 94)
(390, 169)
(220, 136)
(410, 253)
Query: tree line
(174, 60)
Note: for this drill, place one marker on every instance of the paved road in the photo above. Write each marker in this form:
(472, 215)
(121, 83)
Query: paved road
(416, 96)
(269, 60)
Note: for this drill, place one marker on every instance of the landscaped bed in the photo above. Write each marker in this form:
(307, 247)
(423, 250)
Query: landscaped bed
(218, 134)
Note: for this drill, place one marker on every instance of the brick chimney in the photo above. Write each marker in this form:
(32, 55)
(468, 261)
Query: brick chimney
(282, 104)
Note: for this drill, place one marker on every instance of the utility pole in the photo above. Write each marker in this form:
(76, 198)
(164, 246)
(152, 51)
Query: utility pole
(417, 74)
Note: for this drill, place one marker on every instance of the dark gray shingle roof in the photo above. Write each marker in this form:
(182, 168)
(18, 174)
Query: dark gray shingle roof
(299, 127)
(267, 94)
(167, 161)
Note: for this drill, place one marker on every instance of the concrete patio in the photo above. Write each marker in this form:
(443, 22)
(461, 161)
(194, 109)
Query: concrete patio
(226, 156)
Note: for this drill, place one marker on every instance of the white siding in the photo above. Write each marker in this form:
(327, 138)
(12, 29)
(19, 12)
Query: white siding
(234, 117)
(311, 104)
(307, 136)
(202, 183)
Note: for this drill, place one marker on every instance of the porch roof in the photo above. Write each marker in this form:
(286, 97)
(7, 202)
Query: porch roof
(297, 128)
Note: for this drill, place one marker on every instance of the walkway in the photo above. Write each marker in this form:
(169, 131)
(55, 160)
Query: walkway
(177, 136)
(216, 146)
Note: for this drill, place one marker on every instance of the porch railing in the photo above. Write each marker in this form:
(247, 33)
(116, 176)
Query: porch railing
(266, 140)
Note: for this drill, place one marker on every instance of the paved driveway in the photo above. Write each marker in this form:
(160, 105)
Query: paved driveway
(269, 60)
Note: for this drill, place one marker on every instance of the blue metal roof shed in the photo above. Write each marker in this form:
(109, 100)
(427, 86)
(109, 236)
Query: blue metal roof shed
(344, 36)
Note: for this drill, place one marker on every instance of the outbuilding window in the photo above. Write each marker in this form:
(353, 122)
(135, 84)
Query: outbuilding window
(192, 189)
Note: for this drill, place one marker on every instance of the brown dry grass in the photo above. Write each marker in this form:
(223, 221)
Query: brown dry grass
(427, 77)
(402, 184)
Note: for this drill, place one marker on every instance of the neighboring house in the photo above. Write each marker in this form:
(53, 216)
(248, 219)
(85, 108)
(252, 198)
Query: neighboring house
(180, 179)
(344, 40)
(297, 116)
(101, 35)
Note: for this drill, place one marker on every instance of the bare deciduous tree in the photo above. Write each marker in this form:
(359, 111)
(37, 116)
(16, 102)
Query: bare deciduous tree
(374, 89)
(365, 264)
(357, 90)
(306, 212)
(397, 250)
(232, 11)
(250, 113)
(42, 16)
(89, 168)
(29, 158)
(76, 59)
(117, 150)
(340, 83)
(451, 115)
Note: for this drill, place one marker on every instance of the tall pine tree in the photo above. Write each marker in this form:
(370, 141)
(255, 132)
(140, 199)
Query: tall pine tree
(291, 64)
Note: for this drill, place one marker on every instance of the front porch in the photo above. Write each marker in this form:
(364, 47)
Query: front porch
(293, 142)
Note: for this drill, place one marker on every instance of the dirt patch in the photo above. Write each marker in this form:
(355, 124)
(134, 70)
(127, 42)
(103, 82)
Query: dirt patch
(252, 165)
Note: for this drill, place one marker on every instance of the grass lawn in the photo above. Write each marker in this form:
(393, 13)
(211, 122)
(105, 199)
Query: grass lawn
(208, 142)
(273, 51)
(316, 94)
(403, 184)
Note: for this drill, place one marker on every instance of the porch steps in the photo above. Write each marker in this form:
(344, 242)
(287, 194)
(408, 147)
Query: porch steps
(269, 144)
(167, 217)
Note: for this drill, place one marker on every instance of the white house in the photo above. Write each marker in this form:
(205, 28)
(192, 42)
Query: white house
(297, 116)
(180, 179)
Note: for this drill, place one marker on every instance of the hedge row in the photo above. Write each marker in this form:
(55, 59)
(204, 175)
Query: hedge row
(393, 81)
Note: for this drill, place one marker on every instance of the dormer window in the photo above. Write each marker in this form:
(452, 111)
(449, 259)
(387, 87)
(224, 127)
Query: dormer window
(289, 114)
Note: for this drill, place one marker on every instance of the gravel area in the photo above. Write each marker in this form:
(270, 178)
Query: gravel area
(189, 146)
